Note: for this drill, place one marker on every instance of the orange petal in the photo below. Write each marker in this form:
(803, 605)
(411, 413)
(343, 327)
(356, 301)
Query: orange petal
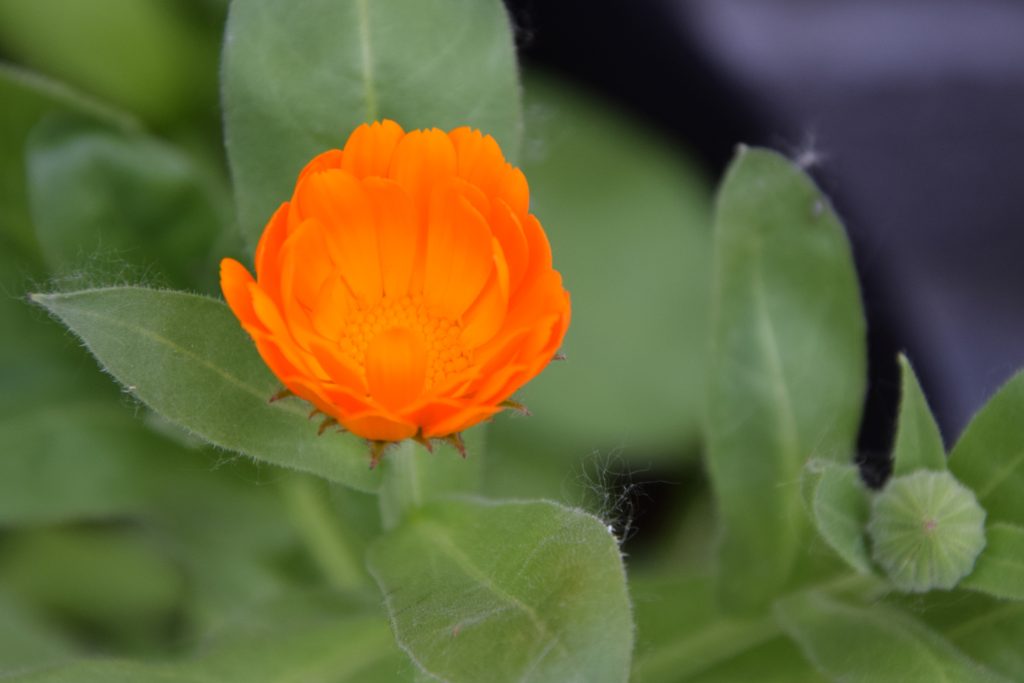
(396, 367)
(377, 427)
(423, 159)
(269, 315)
(234, 283)
(271, 354)
(458, 257)
(300, 273)
(324, 161)
(334, 304)
(541, 343)
(339, 368)
(348, 401)
(456, 422)
(398, 234)
(509, 233)
(312, 391)
(268, 269)
(514, 190)
(484, 318)
(369, 149)
(500, 351)
(535, 299)
(521, 344)
(503, 384)
(304, 265)
(538, 245)
(338, 202)
(480, 160)
(473, 194)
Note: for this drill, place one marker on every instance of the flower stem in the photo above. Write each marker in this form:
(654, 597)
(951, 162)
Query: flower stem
(402, 488)
(323, 533)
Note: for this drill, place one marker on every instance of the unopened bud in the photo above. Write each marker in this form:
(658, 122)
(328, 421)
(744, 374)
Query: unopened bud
(927, 529)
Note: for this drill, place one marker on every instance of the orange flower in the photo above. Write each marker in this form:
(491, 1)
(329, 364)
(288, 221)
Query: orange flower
(405, 290)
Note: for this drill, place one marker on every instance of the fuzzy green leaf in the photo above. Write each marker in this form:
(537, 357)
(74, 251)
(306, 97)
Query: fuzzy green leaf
(787, 364)
(918, 440)
(125, 198)
(873, 644)
(682, 636)
(510, 591)
(992, 635)
(1000, 567)
(985, 628)
(349, 649)
(840, 507)
(989, 457)
(187, 358)
(298, 77)
(629, 220)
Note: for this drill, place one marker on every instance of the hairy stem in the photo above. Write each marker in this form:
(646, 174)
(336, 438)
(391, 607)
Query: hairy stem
(323, 533)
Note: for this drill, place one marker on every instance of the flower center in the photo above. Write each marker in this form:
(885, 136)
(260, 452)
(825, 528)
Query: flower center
(439, 336)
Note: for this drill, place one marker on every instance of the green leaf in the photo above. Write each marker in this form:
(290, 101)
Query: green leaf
(989, 457)
(123, 197)
(39, 362)
(683, 636)
(92, 461)
(112, 581)
(349, 649)
(27, 97)
(146, 55)
(353, 648)
(787, 364)
(775, 661)
(508, 591)
(186, 357)
(628, 218)
(26, 640)
(298, 78)
(83, 460)
(992, 636)
(918, 440)
(840, 507)
(108, 671)
(876, 643)
(987, 629)
(1000, 567)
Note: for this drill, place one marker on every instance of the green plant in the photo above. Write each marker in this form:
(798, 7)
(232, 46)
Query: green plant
(214, 536)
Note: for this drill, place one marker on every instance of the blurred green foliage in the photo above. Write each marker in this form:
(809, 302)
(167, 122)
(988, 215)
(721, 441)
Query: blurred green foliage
(131, 549)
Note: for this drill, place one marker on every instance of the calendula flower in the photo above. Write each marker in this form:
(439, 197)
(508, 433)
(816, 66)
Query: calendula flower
(405, 290)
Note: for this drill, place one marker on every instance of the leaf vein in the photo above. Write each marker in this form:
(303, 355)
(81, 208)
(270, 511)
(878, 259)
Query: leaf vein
(202, 361)
(445, 543)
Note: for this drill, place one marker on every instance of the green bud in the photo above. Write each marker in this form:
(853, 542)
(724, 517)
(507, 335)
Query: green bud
(927, 530)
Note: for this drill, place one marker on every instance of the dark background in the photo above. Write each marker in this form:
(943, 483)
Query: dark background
(909, 114)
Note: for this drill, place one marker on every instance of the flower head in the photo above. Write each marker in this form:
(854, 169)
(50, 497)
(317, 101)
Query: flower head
(405, 290)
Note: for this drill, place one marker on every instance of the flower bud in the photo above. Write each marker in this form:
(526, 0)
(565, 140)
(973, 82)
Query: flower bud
(927, 530)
